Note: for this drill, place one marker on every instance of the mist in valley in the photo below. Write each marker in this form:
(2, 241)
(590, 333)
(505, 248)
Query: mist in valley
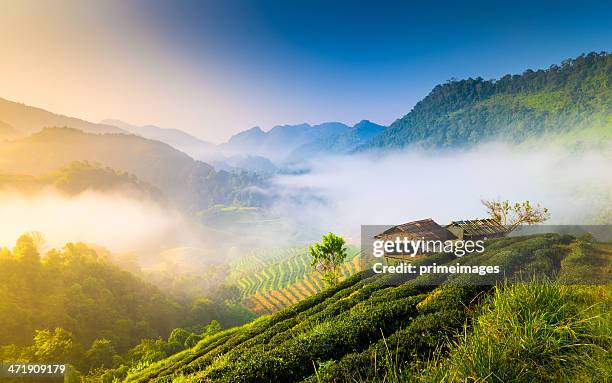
(336, 193)
(340, 193)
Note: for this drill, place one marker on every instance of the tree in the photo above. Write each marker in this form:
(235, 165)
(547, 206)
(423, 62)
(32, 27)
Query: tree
(26, 249)
(328, 256)
(100, 354)
(513, 215)
(53, 347)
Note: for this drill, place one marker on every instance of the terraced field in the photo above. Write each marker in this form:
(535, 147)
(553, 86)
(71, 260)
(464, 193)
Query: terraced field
(270, 280)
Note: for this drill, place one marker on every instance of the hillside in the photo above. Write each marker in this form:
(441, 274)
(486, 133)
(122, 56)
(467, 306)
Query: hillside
(281, 140)
(178, 139)
(28, 119)
(377, 328)
(81, 176)
(272, 279)
(340, 143)
(189, 183)
(7, 131)
(573, 100)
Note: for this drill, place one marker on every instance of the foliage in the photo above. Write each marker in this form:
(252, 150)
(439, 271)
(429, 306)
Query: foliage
(513, 215)
(328, 256)
(72, 305)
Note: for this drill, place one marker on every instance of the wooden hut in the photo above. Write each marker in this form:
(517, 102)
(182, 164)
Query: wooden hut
(476, 229)
(425, 230)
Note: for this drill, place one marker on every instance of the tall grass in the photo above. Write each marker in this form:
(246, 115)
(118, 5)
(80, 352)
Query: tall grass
(536, 332)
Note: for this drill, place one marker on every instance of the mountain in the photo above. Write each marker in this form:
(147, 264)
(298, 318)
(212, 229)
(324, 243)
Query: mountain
(257, 164)
(178, 139)
(7, 131)
(28, 119)
(573, 100)
(192, 184)
(371, 326)
(341, 143)
(281, 140)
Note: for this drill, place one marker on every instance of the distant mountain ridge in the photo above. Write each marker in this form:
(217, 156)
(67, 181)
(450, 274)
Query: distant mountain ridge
(26, 119)
(178, 139)
(569, 103)
(340, 143)
(281, 140)
(294, 143)
(191, 184)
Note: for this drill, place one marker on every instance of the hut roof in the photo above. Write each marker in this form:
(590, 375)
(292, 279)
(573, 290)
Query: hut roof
(425, 228)
(480, 227)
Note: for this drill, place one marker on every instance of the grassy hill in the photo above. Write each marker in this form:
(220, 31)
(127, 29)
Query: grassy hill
(191, 184)
(395, 328)
(573, 99)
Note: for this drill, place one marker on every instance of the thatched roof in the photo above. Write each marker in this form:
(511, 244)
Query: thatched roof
(425, 228)
(480, 227)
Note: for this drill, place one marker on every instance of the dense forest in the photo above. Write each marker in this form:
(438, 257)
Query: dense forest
(432, 328)
(575, 96)
(79, 176)
(74, 305)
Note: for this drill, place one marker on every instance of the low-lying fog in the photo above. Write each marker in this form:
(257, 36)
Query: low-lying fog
(338, 194)
(113, 220)
(341, 193)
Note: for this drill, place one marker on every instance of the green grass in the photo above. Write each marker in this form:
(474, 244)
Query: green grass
(536, 332)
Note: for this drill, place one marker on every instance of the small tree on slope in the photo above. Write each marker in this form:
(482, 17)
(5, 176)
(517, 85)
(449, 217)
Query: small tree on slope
(328, 256)
(513, 215)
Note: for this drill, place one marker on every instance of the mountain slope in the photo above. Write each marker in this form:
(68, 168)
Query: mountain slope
(81, 176)
(192, 184)
(7, 131)
(574, 98)
(28, 119)
(340, 143)
(281, 140)
(178, 139)
(346, 332)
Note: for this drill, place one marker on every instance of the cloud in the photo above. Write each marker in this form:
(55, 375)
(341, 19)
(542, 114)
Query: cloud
(343, 192)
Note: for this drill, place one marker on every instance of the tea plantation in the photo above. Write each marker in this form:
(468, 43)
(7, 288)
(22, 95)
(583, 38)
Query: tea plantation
(432, 328)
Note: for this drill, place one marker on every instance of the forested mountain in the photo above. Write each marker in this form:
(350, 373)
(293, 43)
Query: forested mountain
(574, 98)
(192, 184)
(81, 176)
(178, 139)
(404, 328)
(28, 119)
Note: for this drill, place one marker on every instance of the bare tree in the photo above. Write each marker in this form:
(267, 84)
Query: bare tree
(513, 215)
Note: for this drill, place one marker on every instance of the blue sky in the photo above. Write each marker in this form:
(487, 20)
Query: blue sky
(213, 68)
